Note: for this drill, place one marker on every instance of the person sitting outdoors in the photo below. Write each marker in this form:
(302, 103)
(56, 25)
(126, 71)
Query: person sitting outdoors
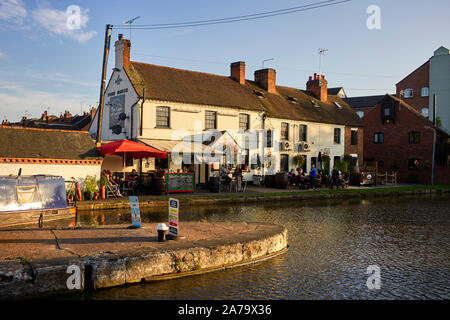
(237, 172)
(112, 184)
(291, 177)
(133, 178)
(224, 174)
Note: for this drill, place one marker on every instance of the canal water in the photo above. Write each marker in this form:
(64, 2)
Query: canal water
(331, 245)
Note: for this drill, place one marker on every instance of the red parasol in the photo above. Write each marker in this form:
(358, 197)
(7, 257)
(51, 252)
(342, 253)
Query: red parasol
(133, 149)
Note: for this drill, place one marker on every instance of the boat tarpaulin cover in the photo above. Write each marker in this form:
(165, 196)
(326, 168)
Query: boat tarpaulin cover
(18, 193)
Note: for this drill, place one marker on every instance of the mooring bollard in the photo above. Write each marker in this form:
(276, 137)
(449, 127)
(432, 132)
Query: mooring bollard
(162, 230)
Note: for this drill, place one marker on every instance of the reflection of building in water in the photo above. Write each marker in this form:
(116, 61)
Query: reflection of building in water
(164, 105)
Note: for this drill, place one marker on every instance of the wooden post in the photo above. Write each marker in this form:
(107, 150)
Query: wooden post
(102, 85)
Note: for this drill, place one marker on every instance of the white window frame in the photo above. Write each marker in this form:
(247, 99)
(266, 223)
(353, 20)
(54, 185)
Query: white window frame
(427, 92)
(408, 90)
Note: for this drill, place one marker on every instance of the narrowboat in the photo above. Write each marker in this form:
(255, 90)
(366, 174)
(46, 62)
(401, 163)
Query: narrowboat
(33, 200)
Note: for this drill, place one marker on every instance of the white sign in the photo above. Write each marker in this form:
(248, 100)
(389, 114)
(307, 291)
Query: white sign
(174, 206)
(135, 214)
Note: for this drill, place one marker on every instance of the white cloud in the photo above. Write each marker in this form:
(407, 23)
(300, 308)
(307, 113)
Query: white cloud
(33, 102)
(58, 22)
(12, 11)
(181, 33)
(2, 55)
(56, 77)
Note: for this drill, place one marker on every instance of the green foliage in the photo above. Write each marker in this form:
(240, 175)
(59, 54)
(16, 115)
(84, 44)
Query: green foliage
(342, 165)
(326, 163)
(351, 162)
(90, 184)
(299, 160)
(103, 180)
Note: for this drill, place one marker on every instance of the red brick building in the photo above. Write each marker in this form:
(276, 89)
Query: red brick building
(414, 89)
(398, 138)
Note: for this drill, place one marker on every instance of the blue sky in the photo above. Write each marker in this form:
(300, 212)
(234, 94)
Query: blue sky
(45, 65)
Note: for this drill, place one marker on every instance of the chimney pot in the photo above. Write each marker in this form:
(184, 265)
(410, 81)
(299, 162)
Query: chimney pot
(318, 87)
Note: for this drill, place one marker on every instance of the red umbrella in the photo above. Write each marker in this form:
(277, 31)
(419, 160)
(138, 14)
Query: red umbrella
(133, 149)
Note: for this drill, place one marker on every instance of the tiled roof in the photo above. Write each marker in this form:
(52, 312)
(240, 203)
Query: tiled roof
(19, 142)
(176, 85)
(364, 102)
(334, 91)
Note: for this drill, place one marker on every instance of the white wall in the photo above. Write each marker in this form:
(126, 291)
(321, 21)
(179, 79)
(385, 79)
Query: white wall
(66, 171)
(440, 85)
(115, 164)
(131, 99)
(320, 136)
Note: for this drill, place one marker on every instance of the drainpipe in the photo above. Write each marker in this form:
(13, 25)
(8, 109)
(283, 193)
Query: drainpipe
(263, 137)
(142, 111)
(434, 150)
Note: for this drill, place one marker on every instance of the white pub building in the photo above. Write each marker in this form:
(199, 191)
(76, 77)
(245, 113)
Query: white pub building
(170, 109)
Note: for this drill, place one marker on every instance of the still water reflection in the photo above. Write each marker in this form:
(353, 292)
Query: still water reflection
(331, 245)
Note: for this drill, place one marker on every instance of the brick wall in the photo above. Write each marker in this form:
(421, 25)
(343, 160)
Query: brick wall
(416, 80)
(396, 148)
(354, 149)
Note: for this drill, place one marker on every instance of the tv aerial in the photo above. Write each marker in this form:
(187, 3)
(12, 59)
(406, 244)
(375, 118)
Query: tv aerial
(130, 22)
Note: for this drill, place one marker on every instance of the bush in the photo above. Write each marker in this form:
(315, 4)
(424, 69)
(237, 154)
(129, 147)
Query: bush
(412, 178)
(90, 184)
(299, 160)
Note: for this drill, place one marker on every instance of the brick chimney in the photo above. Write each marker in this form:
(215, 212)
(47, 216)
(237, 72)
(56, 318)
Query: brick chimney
(238, 71)
(318, 87)
(122, 52)
(266, 78)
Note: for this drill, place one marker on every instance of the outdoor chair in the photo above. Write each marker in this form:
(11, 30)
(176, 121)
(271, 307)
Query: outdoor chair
(112, 190)
(126, 189)
(225, 185)
(239, 184)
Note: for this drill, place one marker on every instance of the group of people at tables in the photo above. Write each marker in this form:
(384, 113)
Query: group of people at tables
(300, 179)
(227, 175)
(116, 184)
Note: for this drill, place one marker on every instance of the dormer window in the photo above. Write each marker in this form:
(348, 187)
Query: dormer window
(258, 93)
(292, 99)
(314, 104)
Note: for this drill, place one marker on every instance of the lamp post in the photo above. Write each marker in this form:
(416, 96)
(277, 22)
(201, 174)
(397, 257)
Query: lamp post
(434, 150)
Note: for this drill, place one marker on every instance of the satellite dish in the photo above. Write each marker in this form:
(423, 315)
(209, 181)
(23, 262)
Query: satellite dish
(117, 129)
